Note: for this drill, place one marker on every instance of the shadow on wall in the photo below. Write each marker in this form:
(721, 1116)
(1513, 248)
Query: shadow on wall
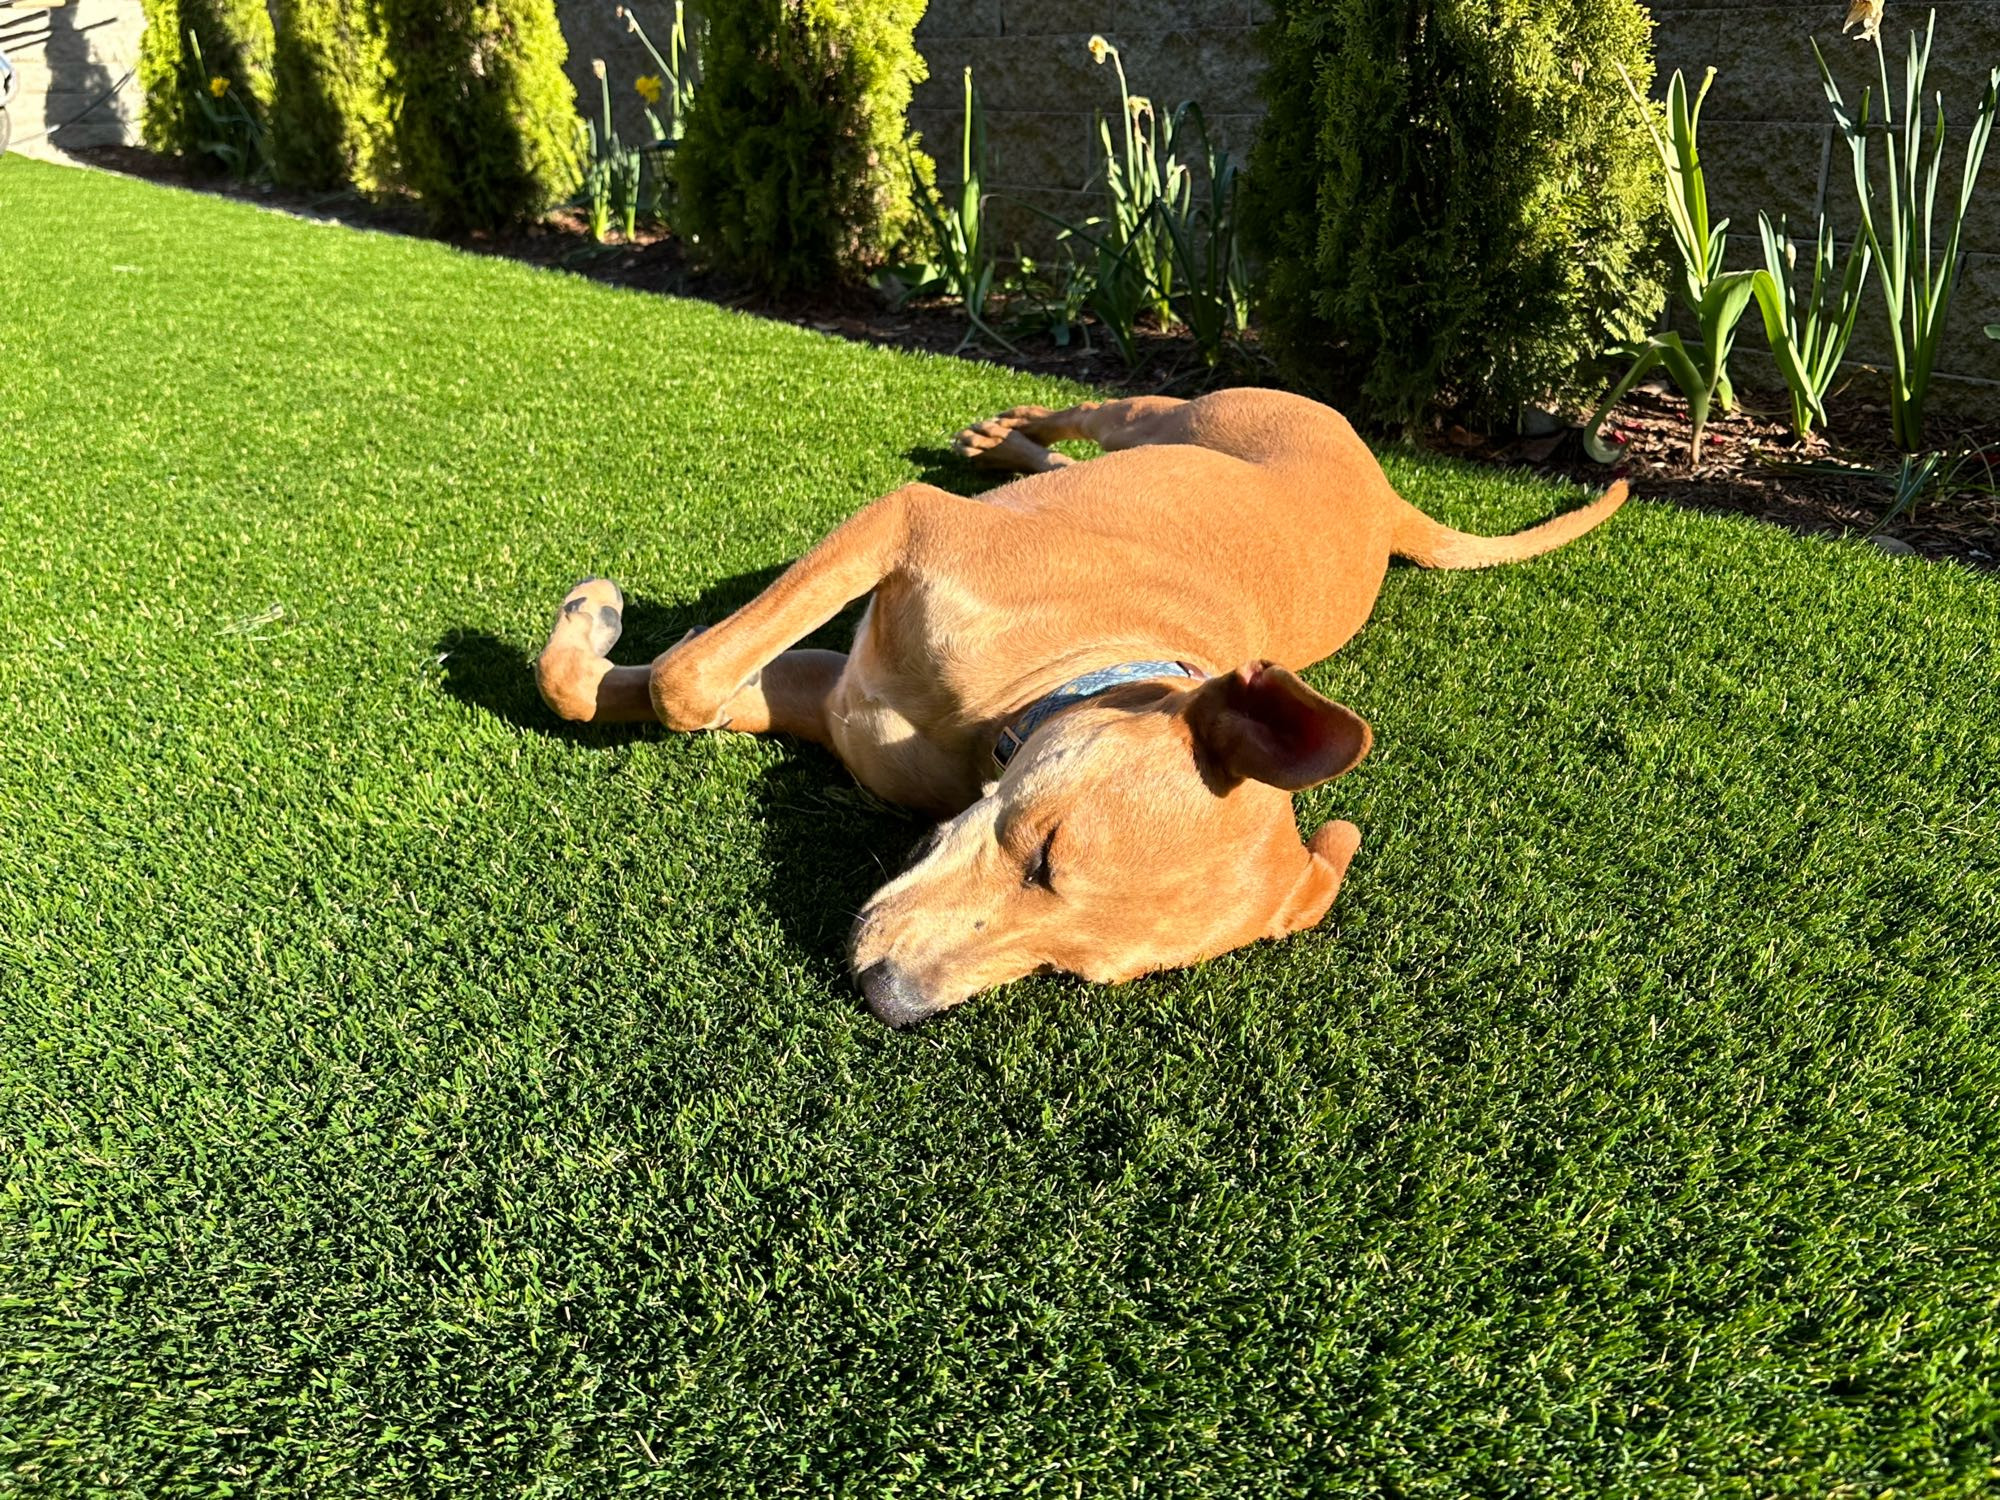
(86, 104)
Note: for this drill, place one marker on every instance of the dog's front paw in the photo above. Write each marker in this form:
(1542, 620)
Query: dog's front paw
(685, 697)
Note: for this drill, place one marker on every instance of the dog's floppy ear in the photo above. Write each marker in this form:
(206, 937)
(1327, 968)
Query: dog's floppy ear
(1260, 723)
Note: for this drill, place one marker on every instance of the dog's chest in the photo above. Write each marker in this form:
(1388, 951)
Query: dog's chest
(900, 717)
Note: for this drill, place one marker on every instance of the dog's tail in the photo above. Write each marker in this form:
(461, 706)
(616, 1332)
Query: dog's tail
(1431, 544)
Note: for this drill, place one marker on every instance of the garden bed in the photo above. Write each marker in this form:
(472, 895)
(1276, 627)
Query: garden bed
(1742, 472)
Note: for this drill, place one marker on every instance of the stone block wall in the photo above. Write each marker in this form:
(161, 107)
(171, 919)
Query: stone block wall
(1768, 142)
(77, 63)
(1042, 94)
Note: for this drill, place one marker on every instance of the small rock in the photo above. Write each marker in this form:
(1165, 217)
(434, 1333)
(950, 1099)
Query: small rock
(1894, 546)
(1537, 422)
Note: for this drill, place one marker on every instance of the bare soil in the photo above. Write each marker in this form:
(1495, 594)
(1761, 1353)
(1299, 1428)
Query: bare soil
(1748, 464)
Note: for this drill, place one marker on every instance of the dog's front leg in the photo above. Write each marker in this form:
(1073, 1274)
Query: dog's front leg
(787, 695)
(740, 675)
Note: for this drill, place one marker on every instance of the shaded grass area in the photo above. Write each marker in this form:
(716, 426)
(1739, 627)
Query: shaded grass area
(401, 1093)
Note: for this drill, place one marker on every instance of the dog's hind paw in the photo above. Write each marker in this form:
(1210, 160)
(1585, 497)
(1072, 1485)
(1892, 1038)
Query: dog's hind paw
(999, 443)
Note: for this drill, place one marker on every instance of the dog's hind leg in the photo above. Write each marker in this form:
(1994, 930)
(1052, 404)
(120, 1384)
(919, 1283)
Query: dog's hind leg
(575, 679)
(1257, 426)
(1008, 440)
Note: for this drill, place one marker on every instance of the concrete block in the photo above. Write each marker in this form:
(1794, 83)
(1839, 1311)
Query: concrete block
(1764, 59)
(1058, 18)
(1047, 79)
(1218, 69)
(1137, 17)
(1776, 168)
(1023, 147)
(958, 18)
(1967, 350)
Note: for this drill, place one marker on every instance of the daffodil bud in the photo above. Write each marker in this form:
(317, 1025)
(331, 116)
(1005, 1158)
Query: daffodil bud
(1867, 15)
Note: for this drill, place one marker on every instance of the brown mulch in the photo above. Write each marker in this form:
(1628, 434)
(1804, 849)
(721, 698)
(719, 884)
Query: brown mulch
(1743, 468)
(1749, 459)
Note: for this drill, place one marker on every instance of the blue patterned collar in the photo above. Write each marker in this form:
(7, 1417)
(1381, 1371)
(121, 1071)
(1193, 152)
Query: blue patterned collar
(1075, 691)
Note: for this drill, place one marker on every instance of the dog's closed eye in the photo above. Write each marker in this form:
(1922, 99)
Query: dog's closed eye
(1040, 871)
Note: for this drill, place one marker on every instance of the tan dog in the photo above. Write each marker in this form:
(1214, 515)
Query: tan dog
(1077, 669)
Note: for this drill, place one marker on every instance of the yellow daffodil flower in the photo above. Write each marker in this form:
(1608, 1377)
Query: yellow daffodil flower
(218, 86)
(1867, 14)
(649, 87)
(1098, 48)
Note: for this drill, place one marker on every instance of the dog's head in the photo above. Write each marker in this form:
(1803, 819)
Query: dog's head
(1147, 828)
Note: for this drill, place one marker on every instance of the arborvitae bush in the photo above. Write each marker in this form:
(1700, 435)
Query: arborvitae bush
(796, 161)
(1456, 199)
(331, 120)
(236, 42)
(165, 124)
(486, 120)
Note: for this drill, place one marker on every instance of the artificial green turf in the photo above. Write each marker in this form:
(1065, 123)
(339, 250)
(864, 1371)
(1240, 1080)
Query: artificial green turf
(401, 1093)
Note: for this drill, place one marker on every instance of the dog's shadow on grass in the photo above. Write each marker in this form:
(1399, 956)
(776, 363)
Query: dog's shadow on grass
(827, 844)
(497, 676)
(946, 470)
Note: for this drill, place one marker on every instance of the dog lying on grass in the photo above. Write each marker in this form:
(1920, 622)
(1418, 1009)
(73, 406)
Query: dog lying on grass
(1079, 672)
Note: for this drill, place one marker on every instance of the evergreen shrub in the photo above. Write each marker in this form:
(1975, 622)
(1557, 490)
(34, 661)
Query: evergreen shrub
(796, 164)
(485, 117)
(1456, 201)
(332, 107)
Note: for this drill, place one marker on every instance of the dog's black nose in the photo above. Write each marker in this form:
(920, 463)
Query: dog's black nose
(892, 997)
